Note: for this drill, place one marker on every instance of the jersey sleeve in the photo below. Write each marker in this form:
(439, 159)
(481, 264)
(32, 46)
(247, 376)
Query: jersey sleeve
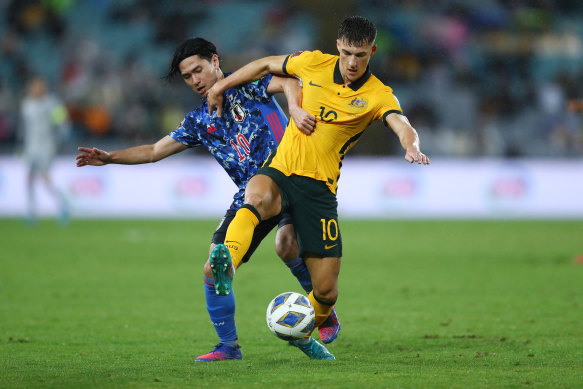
(187, 132)
(257, 90)
(294, 63)
(388, 104)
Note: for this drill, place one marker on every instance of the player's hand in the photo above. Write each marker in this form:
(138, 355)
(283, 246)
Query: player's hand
(413, 154)
(92, 156)
(303, 120)
(215, 101)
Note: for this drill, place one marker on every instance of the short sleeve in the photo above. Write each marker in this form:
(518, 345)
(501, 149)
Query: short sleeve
(294, 63)
(388, 104)
(186, 132)
(258, 89)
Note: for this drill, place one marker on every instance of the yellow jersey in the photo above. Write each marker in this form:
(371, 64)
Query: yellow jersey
(342, 111)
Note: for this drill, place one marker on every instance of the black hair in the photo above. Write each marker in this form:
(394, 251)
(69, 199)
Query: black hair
(356, 30)
(188, 48)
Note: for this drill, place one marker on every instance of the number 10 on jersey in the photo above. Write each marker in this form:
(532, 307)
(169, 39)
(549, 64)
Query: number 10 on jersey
(329, 229)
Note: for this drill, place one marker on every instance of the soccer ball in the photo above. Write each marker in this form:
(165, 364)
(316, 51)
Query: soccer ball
(290, 316)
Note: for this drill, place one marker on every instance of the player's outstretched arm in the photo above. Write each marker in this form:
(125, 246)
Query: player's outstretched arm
(408, 137)
(251, 72)
(131, 156)
(290, 86)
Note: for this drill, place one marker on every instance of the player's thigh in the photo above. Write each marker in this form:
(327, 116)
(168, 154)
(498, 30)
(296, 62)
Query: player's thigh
(263, 194)
(314, 211)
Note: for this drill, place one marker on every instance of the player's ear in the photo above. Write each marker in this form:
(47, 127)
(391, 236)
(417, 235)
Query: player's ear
(338, 44)
(215, 61)
(373, 50)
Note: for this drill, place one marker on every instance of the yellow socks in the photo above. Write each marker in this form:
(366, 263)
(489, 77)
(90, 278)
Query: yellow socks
(322, 310)
(240, 232)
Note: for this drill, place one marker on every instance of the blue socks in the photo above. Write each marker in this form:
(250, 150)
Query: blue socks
(300, 271)
(221, 310)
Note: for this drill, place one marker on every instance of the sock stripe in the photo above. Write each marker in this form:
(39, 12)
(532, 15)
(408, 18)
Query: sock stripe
(252, 209)
(209, 281)
(322, 302)
(321, 309)
(295, 263)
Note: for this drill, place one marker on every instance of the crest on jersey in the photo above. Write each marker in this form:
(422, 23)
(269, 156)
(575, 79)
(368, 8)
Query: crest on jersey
(358, 103)
(238, 113)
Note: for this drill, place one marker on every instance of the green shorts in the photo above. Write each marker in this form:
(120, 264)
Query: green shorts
(314, 211)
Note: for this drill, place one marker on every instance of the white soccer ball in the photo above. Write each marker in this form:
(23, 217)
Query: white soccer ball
(290, 316)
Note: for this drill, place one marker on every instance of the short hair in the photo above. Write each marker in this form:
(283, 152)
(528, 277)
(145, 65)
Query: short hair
(356, 30)
(188, 48)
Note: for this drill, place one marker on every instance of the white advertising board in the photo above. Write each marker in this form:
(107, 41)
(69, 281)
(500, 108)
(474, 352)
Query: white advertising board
(197, 187)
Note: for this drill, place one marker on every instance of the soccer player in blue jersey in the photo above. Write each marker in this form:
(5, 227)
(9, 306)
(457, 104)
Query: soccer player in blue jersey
(240, 140)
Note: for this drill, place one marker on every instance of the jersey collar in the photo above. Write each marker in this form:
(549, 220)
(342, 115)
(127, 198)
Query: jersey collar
(353, 85)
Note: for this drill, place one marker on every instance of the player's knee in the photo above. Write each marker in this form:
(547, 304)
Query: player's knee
(256, 200)
(286, 248)
(326, 296)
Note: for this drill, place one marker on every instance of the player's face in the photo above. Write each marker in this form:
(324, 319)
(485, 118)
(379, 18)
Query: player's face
(200, 74)
(354, 59)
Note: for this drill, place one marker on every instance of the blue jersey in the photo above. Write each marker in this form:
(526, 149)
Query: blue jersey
(250, 128)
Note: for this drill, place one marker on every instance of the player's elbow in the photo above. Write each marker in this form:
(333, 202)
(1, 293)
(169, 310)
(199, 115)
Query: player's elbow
(273, 65)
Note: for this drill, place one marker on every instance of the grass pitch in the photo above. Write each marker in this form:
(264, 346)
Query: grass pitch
(452, 304)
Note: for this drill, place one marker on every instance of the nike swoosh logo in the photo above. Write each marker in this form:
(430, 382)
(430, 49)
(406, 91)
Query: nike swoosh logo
(329, 247)
(312, 84)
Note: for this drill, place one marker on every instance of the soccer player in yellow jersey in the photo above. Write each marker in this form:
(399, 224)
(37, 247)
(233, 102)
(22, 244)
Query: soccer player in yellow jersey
(301, 176)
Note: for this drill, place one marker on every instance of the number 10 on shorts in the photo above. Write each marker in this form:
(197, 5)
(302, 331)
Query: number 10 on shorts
(329, 229)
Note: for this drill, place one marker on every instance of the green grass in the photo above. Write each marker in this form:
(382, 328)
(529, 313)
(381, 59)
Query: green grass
(444, 304)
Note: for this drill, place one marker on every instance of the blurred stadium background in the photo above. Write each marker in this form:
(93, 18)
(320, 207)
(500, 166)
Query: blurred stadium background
(495, 89)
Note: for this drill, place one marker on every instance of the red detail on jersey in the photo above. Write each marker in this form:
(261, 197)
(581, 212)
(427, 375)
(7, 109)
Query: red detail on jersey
(210, 129)
(244, 143)
(296, 54)
(275, 126)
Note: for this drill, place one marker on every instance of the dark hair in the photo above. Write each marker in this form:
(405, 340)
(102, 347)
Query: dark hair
(357, 31)
(188, 48)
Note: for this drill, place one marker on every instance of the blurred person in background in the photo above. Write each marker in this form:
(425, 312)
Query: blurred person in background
(240, 140)
(45, 125)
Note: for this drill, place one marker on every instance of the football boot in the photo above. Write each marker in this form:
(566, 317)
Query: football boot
(313, 349)
(222, 268)
(330, 328)
(221, 352)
